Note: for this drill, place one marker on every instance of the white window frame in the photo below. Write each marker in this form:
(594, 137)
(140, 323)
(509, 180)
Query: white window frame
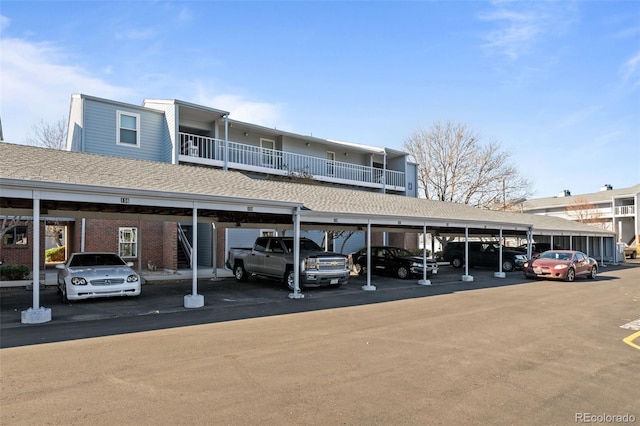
(132, 230)
(137, 129)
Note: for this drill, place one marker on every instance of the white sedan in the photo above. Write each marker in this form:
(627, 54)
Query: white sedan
(90, 275)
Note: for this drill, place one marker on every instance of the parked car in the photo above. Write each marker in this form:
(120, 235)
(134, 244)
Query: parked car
(538, 248)
(631, 251)
(483, 253)
(272, 257)
(90, 275)
(561, 265)
(392, 261)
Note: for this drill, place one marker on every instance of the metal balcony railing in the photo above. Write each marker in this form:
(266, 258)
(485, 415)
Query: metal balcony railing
(250, 157)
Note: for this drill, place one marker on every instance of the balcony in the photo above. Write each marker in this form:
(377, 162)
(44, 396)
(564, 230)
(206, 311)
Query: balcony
(629, 210)
(210, 151)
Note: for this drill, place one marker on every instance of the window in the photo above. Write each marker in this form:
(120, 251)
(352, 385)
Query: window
(15, 236)
(128, 242)
(128, 129)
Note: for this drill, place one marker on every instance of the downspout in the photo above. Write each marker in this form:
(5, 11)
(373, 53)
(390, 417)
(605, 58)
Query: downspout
(226, 142)
(384, 172)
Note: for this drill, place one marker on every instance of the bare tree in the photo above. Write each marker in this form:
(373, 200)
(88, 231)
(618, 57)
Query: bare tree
(454, 166)
(49, 135)
(581, 210)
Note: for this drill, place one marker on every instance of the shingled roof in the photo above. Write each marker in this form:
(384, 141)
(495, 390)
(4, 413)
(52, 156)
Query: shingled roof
(594, 198)
(34, 165)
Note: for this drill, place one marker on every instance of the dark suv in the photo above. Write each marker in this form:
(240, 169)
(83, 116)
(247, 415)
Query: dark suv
(484, 253)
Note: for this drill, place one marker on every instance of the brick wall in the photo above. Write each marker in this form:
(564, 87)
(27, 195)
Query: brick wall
(22, 254)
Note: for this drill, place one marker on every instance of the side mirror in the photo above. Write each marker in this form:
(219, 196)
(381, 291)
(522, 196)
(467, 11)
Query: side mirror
(60, 266)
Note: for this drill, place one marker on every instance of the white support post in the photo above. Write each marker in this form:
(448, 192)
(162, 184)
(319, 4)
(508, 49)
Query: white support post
(500, 273)
(424, 280)
(36, 314)
(297, 294)
(466, 277)
(214, 249)
(194, 300)
(368, 286)
(602, 252)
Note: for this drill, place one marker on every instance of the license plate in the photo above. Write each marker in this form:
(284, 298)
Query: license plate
(537, 271)
(334, 281)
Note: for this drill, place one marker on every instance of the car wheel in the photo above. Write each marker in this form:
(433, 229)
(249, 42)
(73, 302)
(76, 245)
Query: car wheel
(402, 272)
(593, 274)
(456, 262)
(289, 279)
(633, 254)
(508, 265)
(62, 289)
(239, 272)
(571, 275)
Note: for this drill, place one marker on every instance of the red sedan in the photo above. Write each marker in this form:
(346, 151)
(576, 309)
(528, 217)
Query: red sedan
(561, 265)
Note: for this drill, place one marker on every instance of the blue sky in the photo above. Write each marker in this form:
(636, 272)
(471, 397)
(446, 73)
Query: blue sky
(556, 83)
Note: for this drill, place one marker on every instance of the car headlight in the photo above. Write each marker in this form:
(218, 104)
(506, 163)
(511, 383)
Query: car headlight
(132, 278)
(563, 266)
(525, 264)
(311, 263)
(416, 265)
(78, 281)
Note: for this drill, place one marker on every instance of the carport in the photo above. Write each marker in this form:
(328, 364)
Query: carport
(70, 184)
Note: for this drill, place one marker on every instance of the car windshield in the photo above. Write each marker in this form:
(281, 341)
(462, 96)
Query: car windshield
(96, 259)
(555, 255)
(400, 252)
(305, 244)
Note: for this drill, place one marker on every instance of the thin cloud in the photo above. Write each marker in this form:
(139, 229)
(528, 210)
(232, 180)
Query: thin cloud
(36, 86)
(242, 109)
(631, 71)
(521, 26)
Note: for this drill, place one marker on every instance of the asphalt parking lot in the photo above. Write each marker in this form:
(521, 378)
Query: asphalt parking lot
(161, 304)
(491, 351)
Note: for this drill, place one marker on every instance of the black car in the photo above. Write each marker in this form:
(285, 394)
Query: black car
(392, 261)
(537, 248)
(484, 253)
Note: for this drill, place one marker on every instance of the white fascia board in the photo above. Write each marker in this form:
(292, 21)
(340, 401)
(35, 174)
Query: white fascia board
(573, 233)
(360, 219)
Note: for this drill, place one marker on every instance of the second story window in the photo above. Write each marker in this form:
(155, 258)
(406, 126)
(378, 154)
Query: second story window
(128, 129)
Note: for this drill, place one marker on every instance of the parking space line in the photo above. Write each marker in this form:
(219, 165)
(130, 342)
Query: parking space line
(633, 325)
(629, 340)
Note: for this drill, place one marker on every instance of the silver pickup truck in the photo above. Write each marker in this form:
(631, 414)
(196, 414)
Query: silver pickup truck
(272, 257)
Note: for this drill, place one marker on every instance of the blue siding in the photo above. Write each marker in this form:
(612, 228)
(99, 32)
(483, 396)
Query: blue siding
(100, 127)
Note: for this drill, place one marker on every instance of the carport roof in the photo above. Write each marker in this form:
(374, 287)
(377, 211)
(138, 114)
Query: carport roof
(39, 167)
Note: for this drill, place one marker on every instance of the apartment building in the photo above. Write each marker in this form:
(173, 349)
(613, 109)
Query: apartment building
(177, 132)
(608, 208)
